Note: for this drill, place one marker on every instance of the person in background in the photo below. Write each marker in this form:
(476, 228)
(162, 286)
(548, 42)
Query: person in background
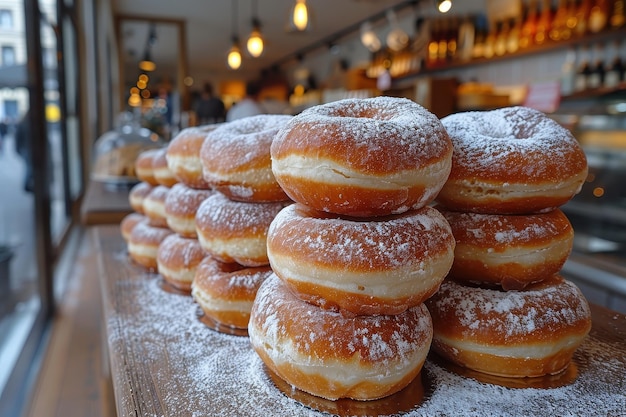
(4, 129)
(209, 108)
(23, 146)
(248, 106)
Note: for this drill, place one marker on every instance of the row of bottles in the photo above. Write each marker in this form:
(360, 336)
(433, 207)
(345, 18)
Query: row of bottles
(592, 67)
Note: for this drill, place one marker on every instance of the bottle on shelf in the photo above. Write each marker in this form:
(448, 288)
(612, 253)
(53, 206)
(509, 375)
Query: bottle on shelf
(544, 23)
(597, 70)
(453, 35)
(582, 17)
(568, 73)
(478, 50)
(618, 19)
(598, 16)
(614, 75)
(512, 41)
(584, 69)
(490, 41)
(559, 21)
(529, 26)
(502, 33)
(433, 44)
(442, 50)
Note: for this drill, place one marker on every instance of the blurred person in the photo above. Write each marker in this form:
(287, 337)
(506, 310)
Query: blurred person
(209, 108)
(23, 147)
(248, 106)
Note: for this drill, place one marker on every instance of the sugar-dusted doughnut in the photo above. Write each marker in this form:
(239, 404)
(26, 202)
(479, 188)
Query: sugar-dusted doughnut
(526, 333)
(363, 157)
(137, 194)
(183, 155)
(510, 251)
(161, 171)
(333, 356)
(181, 205)
(143, 166)
(177, 260)
(154, 206)
(236, 158)
(235, 231)
(143, 244)
(378, 265)
(129, 222)
(509, 161)
(225, 291)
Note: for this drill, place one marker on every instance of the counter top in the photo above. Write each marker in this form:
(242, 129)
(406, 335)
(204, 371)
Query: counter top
(166, 362)
(104, 204)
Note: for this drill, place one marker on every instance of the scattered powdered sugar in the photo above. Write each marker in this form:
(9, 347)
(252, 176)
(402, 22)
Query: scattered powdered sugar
(196, 371)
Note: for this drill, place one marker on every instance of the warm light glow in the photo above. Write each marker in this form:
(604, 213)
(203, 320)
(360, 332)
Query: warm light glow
(298, 90)
(234, 57)
(145, 93)
(144, 78)
(188, 81)
(397, 39)
(598, 192)
(134, 90)
(134, 100)
(369, 39)
(141, 84)
(444, 6)
(255, 43)
(147, 65)
(300, 16)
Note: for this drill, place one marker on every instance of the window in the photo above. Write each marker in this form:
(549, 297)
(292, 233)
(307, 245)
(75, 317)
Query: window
(8, 56)
(6, 19)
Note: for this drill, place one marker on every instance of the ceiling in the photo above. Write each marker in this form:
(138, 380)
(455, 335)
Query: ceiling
(209, 29)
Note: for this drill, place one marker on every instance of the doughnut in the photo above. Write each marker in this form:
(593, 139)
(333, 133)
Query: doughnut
(177, 260)
(513, 160)
(511, 251)
(137, 194)
(143, 244)
(236, 158)
(363, 157)
(225, 292)
(527, 333)
(329, 355)
(143, 166)
(183, 155)
(235, 231)
(380, 265)
(161, 170)
(181, 205)
(154, 206)
(129, 222)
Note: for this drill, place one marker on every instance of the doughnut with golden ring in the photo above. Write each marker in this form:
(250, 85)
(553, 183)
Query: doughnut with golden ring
(177, 260)
(161, 171)
(143, 244)
(333, 356)
(154, 206)
(381, 265)
(137, 194)
(510, 251)
(513, 160)
(236, 158)
(183, 155)
(235, 231)
(143, 166)
(181, 205)
(225, 291)
(526, 333)
(363, 157)
(129, 222)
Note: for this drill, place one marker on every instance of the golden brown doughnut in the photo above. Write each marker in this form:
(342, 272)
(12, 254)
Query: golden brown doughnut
(161, 170)
(513, 160)
(154, 206)
(236, 158)
(137, 194)
(378, 265)
(129, 222)
(143, 166)
(183, 155)
(526, 333)
(511, 251)
(181, 205)
(235, 231)
(333, 356)
(143, 244)
(177, 260)
(225, 292)
(363, 157)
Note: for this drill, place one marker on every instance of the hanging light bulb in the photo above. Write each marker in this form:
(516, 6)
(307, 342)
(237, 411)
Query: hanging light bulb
(300, 15)
(369, 39)
(255, 41)
(147, 64)
(444, 5)
(234, 55)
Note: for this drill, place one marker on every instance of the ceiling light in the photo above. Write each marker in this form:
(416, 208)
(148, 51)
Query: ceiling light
(234, 55)
(147, 64)
(255, 41)
(369, 39)
(300, 15)
(397, 39)
(444, 5)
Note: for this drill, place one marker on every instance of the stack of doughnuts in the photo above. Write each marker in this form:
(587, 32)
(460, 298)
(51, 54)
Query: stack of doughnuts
(356, 256)
(231, 224)
(504, 309)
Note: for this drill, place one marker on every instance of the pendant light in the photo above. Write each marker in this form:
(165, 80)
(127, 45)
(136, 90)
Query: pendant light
(397, 39)
(444, 6)
(234, 54)
(255, 41)
(369, 39)
(300, 16)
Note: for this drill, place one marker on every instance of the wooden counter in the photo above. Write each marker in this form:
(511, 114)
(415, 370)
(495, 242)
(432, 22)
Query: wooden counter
(104, 205)
(166, 362)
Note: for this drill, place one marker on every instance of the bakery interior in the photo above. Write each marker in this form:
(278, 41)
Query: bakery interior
(72, 84)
